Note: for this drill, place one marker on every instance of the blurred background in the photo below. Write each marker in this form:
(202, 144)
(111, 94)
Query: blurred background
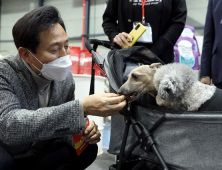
(72, 14)
(83, 20)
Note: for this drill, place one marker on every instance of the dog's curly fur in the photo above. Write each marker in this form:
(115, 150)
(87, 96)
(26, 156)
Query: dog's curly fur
(177, 87)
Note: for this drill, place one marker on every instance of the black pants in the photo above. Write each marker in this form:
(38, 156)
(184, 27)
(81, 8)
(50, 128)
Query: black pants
(57, 156)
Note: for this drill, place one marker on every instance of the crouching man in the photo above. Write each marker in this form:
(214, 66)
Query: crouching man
(38, 113)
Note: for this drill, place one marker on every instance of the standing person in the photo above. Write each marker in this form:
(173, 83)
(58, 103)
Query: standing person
(164, 18)
(38, 113)
(211, 59)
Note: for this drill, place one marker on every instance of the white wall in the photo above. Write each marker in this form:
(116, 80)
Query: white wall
(196, 14)
(11, 12)
(72, 12)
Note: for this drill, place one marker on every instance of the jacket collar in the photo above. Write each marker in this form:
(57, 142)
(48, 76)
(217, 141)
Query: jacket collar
(30, 87)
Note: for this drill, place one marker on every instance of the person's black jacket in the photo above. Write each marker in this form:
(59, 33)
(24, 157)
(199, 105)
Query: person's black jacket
(211, 59)
(172, 24)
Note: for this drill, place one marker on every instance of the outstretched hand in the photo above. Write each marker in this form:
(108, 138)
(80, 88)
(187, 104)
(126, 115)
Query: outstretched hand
(103, 104)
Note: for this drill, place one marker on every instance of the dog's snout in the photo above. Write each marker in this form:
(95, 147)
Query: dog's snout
(119, 91)
(123, 90)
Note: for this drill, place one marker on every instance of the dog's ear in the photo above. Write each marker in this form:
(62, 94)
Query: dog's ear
(155, 66)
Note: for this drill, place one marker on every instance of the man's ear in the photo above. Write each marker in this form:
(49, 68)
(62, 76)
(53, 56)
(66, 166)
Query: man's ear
(155, 66)
(25, 54)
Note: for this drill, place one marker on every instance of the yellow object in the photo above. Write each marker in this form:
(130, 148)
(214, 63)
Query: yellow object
(136, 33)
(78, 144)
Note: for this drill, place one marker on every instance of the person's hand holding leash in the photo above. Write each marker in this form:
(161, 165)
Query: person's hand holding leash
(103, 104)
(121, 38)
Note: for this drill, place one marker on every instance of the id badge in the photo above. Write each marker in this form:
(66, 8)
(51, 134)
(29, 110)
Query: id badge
(147, 35)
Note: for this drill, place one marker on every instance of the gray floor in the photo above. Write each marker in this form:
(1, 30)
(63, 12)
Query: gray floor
(104, 160)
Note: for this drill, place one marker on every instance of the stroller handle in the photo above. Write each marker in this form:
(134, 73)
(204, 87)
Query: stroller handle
(96, 42)
(99, 61)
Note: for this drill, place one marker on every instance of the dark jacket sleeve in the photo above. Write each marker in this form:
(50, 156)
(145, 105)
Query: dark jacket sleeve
(110, 18)
(174, 30)
(207, 43)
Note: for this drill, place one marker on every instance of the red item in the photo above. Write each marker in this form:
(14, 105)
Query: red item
(143, 15)
(85, 64)
(77, 138)
(83, 54)
(75, 57)
(97, 68)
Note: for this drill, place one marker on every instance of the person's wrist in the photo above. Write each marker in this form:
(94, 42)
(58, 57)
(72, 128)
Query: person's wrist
(84, 107)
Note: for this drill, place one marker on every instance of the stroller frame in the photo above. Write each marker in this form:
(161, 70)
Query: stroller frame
(187, 140)
(145, 137)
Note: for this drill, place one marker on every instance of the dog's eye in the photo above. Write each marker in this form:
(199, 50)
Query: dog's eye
(135, 76)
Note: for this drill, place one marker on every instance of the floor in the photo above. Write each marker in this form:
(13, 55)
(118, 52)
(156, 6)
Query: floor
(104, 160)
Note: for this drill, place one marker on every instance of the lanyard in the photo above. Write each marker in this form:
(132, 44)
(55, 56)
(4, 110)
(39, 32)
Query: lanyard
(143, 16)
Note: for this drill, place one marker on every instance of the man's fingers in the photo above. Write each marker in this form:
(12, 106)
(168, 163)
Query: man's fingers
(103, 104)
(115, 100)
(92, 132)
(119, 106)
(111, 94)
(95, 141)
(115, 109)
(90, 127)
(95, 136)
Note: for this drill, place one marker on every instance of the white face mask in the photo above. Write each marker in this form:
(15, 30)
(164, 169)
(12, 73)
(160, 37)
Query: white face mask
(57, 69)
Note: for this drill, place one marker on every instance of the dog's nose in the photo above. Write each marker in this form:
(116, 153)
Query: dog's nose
(168, 90)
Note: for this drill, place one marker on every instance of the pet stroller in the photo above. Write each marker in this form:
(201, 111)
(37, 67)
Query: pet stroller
(146, 136)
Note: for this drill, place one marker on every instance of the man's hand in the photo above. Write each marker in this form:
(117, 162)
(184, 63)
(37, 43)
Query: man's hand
(206, 80)
(103, 104)
(91, 133)
(121, 38)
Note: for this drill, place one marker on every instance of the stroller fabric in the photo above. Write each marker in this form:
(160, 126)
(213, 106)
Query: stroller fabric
(186, 140)
(190, 144)
(120, 62)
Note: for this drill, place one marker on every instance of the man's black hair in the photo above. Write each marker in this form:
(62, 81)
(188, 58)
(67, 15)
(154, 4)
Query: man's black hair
(26, 31)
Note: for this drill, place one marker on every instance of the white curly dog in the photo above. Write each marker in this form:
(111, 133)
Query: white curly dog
(174, 86)
(177, 87)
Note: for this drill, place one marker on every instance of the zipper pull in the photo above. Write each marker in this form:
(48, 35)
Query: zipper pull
(129, 104)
